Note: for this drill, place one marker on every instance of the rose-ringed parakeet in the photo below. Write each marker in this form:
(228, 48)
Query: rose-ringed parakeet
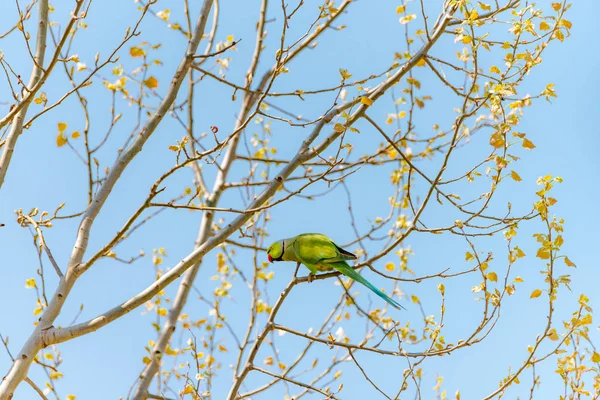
(319, 253)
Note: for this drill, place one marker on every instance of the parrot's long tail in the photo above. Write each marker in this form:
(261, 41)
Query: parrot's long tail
(351, 273)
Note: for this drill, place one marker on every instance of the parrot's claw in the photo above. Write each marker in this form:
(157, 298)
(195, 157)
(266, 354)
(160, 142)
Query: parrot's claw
(310, 277)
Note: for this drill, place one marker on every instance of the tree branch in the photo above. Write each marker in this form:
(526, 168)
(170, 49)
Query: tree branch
(37, 340)
(37, 80)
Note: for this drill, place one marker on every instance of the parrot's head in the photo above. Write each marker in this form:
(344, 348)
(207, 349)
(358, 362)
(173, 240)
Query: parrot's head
(275, 251)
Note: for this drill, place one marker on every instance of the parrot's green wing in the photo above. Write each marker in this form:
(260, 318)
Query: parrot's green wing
(315, 248)
(351, 273)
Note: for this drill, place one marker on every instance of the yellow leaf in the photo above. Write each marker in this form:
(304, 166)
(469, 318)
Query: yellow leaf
(366, 101)
(71, 397)
(484, 7)
(515, 176)
(162, 311)
(75, 134)
(400, 9)
(174, 148)
(164, 14)
(230, 38)
(136, 52)
(468, 256)
(497, 140)
(566, 23)
(559, 35)
(543, 253)
(282, 366)
(390, 266)
(544, 26)
(518, 279)
(466, 39)
(421, 62)
(587, 320)
(528, 144)
(494, 69)
(500, 162)
(339, 128)
(62, 126)
(441, 288)
(569, 262)
(30, 283)
(170, 351)
(222, 348)
(337, 374)
(596, 357)
(268, 360)
(345, 74)
(187, 389)
(41, 99)
(492, 277)
(56, 375)
(151, 82)
(407, 18)
(552, 335)
(61, 140)
(556, 6)
(535, 294)
(559, 241)
(414, 82)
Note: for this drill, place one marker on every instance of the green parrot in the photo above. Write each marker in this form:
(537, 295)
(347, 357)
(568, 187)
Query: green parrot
(319, 253)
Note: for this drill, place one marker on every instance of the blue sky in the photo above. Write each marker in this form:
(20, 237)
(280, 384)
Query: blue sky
(105, 364)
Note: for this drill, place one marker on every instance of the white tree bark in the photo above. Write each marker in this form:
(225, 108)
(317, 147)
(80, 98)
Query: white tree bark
(37, 80)
(37, 340)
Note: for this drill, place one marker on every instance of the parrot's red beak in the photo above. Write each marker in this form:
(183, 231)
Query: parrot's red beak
(270, 258)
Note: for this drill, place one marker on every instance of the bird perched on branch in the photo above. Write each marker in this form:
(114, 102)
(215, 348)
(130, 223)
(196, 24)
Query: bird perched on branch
(319, 254)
